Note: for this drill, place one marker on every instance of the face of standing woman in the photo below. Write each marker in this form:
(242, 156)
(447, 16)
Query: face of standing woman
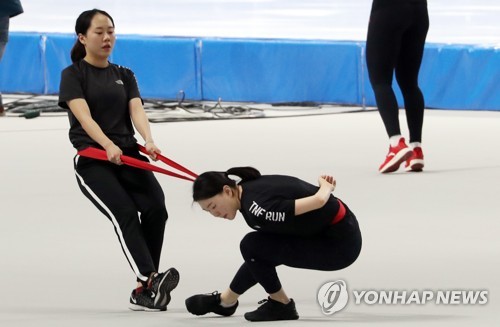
(99, 39)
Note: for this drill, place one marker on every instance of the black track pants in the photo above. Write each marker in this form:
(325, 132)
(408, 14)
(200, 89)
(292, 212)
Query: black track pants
(395, 42)
(335, 249)
(133, 201)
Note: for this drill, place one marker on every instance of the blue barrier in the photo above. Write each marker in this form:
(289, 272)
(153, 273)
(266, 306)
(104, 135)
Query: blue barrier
(280, 71)
(57, 54)
(22, 66)
(451, 77)
(163, 66)
(461, 77)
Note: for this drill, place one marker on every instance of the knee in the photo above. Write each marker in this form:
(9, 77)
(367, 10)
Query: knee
(248, 245)
(155, 212)
(159, 212)
(407, 84)
(381, 87)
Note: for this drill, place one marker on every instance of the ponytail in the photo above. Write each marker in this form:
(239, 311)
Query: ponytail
(245, 173)
(211, 183)
(78, 51)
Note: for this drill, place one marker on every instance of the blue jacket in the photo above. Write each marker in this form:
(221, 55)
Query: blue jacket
(10, 8)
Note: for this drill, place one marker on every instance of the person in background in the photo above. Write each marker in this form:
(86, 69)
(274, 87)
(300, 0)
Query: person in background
(8, 9)
(104, 107)
(296, 224)
(395, 43)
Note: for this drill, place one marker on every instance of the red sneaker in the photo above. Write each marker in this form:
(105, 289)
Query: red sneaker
(395, 157)
(416, 161)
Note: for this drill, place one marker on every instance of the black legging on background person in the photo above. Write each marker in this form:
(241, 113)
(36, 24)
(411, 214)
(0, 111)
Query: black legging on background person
(395, 43)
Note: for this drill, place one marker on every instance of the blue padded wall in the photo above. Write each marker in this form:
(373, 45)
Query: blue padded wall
(163, 66)
(57, 54)
(280, 71)
(461, 77)
(22, 67)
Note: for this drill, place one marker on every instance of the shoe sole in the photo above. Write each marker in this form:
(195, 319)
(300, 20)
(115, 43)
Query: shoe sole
(278, 319)
(416, 165)
(250, 318)
(136, 307)
(398, 159)
(167, 285)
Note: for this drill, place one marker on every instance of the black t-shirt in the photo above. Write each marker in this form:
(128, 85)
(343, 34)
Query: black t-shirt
(268, 205)
(107, 92)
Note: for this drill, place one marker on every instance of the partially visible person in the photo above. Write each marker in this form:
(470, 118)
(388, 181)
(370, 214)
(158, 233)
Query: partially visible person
(8, 9)
(296, 224)
(104, 107)
(395, 43)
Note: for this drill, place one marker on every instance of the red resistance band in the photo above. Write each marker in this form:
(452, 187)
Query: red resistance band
(340, 214)
(99, 154)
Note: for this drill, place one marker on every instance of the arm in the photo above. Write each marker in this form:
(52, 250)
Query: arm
(141, 123)
(326, 186)
(80, 109)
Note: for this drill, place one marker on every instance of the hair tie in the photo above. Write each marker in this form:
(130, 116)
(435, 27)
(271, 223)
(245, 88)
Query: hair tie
(234, 178)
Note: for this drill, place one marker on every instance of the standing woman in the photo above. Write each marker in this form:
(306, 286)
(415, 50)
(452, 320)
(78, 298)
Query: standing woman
(103, 101)
(296, 224)
(395, 42)
(8, 9)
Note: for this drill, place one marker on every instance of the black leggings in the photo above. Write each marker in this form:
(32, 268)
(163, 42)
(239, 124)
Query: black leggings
(335, 249)
(121, 193)
(396, 38)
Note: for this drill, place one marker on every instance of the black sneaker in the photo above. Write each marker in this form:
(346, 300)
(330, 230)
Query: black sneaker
(204, 303)
(142, 299)
(156, 296)
(161, 285)
(271, 310)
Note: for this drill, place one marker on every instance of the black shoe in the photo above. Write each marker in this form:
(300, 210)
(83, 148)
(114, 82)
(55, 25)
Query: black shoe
(143, 299)
(204, 303)
(156, 296)
(272, 310)
(161, 285)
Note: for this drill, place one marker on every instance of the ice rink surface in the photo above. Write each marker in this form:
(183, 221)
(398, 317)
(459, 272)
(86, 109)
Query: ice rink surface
(436, 230)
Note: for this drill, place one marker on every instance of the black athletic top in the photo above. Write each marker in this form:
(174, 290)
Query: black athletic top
(378, 4)
(107, 92)
(11, 8)
(268, 205)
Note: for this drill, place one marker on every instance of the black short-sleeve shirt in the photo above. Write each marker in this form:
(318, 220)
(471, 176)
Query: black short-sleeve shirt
(107, 92)
(268, 205)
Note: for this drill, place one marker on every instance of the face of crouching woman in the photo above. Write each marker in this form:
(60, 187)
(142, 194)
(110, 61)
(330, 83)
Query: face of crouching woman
(216, 193)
